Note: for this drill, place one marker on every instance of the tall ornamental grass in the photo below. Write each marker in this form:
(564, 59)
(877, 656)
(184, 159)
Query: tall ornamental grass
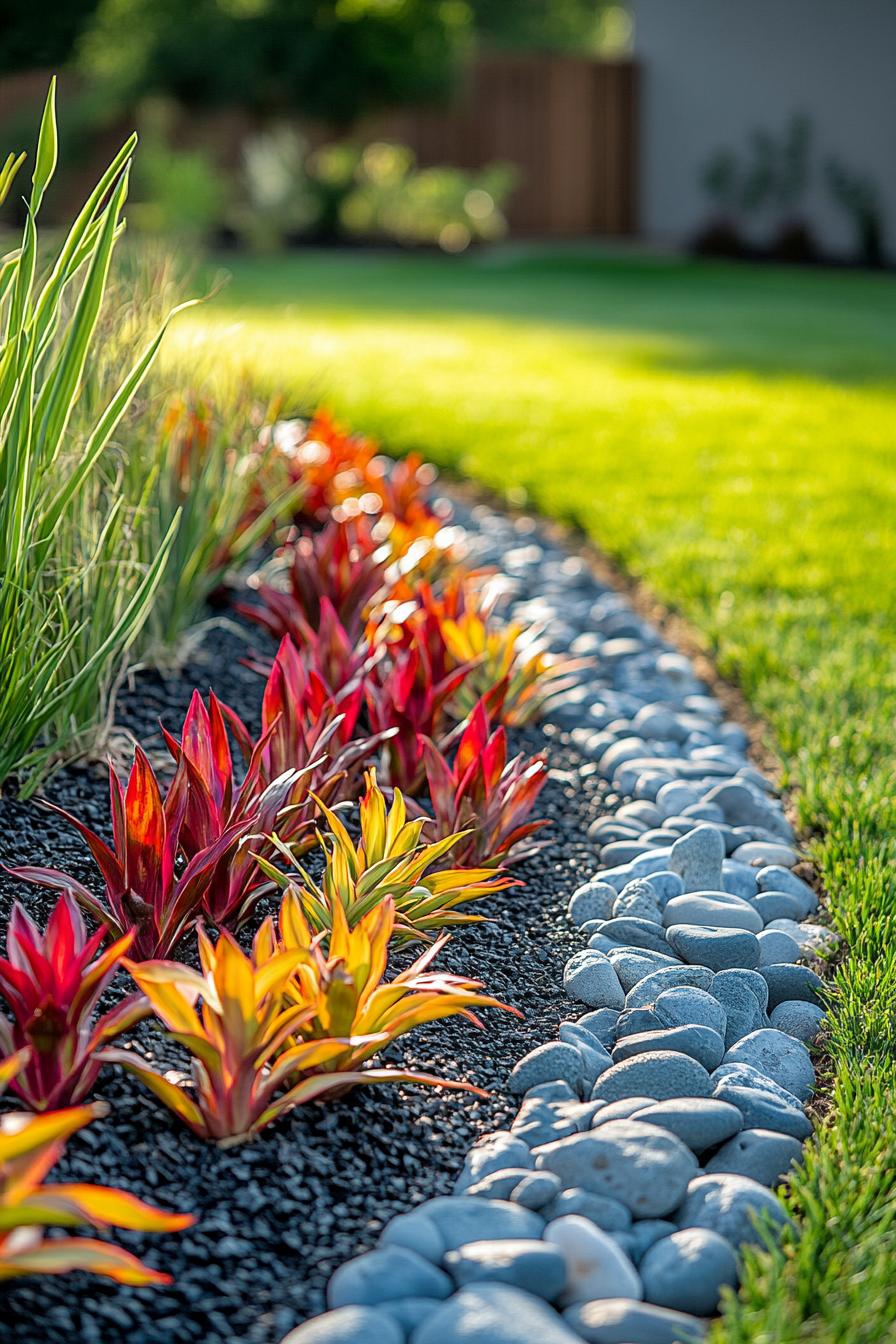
(221, 494)
(76, 587)
(194, 471)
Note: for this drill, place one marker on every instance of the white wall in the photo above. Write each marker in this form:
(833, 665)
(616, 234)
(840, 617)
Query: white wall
(714, 70)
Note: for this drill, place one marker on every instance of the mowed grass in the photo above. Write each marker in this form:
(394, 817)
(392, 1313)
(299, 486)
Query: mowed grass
(729, 435)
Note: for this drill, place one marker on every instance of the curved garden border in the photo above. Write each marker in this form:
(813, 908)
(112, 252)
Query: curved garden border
(634, 751)
(652, 1130)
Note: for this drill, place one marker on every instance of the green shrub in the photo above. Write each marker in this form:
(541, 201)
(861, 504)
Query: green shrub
(183, 196)
(391, 198)
(371, 193)
(331, 61)
(860, 200)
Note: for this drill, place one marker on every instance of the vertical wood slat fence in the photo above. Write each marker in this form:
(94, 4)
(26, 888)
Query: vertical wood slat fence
(567, 123)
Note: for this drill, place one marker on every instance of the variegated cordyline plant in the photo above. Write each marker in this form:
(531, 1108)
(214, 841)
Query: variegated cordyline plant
(344, 563)
(344, 989)
(405, 695)
(325, 664)
(484, 795)
(51, 983)
(144, 890)
(272, 795)
(330, 462)
(299, 758)
(30, 1145)
(300, 718)
(240, 1022)
(392, 860)
(508, 654)
(459, 626)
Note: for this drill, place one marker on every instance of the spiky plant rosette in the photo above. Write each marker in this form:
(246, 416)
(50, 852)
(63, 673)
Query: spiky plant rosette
(391, 860)
(51, 982)
(329, 461)
(233, 1089)
(303, 720)
(345, 563)
(145, 889)
(341, 981)
(324, 664)
(406, 697)
(251, 1033)
(485, 795)
(290, 759)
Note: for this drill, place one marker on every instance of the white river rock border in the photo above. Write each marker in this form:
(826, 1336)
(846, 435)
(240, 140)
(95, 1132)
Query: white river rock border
(651, 1132)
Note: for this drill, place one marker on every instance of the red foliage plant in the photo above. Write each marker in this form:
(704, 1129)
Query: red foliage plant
(215, 826)
(331, 463)
(144, 892)
(401, 488)
(298, 707)
(344, 563)
(413, 617)
(302, 723)
(485, 795)
(284, 766)
(217, 806)
(30, 1146)
(341, 476)
(419, 617)
(324, 667)
(404, 694)
(51, 983)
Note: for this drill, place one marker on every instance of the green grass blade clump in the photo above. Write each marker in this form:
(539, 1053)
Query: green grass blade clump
(185, 474)
(75, 587)
(207, 473)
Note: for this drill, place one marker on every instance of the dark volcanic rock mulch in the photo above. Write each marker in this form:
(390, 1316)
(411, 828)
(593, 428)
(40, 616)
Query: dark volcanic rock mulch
(276, 1217)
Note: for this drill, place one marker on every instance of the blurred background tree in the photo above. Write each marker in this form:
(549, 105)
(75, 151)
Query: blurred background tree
(295, 74)
(551, 25)
(41, 36)
(333, 60)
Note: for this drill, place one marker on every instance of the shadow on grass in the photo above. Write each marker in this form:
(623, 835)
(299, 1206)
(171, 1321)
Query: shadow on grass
(679, 315)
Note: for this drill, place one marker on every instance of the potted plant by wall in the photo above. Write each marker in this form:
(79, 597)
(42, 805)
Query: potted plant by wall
(722, 181)
(784, 169)
(859, 197)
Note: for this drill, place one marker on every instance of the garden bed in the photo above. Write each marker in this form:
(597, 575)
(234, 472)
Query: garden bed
(276, 1217)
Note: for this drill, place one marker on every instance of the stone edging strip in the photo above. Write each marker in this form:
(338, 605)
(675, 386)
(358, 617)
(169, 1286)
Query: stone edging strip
(651, 1133)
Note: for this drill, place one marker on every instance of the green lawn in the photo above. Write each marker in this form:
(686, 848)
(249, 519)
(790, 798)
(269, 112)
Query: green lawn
(728, 434)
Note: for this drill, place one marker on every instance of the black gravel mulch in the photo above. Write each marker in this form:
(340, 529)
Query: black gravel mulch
(276, 1217)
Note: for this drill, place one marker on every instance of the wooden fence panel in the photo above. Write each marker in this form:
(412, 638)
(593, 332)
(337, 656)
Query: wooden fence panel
(568, 124)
